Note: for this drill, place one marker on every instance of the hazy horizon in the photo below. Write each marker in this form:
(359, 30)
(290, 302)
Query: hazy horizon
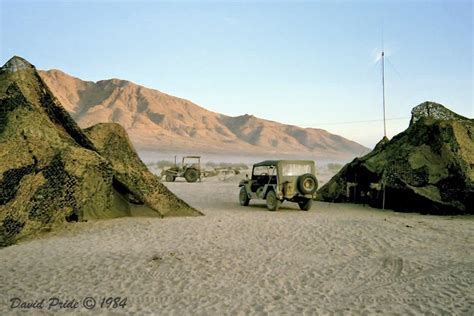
(310, 64)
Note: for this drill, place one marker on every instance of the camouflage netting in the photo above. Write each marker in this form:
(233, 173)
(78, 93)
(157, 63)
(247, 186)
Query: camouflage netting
(428, 168)
(113, 143)
(52, 172)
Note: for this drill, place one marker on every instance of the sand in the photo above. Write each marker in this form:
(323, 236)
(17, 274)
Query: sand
(342, 258)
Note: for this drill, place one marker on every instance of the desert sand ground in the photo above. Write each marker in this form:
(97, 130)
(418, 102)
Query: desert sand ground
(341, 258)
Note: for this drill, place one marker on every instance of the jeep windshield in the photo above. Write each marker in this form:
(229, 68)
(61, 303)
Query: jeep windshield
(295, 169)
(264, 170)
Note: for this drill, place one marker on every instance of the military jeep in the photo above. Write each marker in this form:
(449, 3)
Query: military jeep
(281, 180)
(190, 169)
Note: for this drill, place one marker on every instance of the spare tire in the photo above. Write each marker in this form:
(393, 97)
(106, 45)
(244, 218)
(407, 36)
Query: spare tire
(191, 175)
(307, 183)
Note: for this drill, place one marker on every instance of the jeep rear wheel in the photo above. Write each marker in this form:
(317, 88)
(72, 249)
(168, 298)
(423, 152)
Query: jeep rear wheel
(191, 175)
(273, 204)
(243, 197)
(307, 183)
(305, 204)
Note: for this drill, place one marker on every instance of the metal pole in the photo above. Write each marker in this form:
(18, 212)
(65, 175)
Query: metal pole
(383, 195)
(384, 124)
(384, 179)
(383, 95)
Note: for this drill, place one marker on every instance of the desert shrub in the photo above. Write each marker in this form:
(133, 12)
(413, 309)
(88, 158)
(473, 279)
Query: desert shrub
(334, 167)
(230, 165)
(163, 164)
(211, 164)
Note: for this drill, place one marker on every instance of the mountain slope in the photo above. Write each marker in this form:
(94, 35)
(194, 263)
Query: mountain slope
(158, 121)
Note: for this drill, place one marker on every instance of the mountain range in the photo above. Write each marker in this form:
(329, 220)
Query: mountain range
(157, 121)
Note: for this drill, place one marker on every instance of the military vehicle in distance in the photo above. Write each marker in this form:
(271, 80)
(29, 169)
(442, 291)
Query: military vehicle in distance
(190, 169)
(281, 180)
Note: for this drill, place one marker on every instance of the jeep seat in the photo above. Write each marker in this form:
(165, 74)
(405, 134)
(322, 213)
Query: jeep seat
(260, 181)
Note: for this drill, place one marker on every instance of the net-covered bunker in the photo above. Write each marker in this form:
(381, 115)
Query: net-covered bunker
(428, 168)
(51, 171)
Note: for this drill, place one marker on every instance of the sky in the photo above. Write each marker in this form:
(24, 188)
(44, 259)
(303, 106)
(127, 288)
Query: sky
(306, 63)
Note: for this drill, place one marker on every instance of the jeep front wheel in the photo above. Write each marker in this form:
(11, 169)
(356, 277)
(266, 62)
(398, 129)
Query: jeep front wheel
(243, 197)
(169, 178)
(305, 204)
(273, 204)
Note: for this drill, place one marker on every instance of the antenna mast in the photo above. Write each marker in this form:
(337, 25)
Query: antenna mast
(384, 126)
(383, 95)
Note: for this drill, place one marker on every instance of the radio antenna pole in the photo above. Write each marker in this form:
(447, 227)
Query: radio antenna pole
(383, 94)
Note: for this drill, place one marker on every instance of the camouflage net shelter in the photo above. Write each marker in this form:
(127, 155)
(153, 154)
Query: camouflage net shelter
(428, 168)
(52, 172)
